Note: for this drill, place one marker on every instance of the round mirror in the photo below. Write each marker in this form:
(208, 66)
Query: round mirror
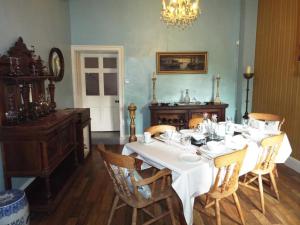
(56, 64)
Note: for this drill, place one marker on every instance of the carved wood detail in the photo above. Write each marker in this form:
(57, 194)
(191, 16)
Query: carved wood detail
(25, 73)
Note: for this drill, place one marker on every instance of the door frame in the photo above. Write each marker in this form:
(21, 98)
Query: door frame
(76, 50)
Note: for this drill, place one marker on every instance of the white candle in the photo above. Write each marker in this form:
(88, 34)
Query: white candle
(248, 70)
(154, 75)
(30, 94)
(164, 4)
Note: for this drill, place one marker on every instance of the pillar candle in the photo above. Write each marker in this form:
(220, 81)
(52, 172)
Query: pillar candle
(248, 70)
(154, 75)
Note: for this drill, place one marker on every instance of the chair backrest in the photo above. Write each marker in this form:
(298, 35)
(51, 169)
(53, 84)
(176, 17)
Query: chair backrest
(193, 123)
(229, 165)
(116, 166)
(268, 117)
(270, 147)
(159, 129)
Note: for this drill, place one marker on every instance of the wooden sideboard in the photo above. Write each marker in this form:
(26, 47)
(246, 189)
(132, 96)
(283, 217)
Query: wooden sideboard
(179, 115)
(48, 149)
(83, 133)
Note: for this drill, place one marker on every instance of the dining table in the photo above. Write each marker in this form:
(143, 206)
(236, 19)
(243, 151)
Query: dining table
(192, 167)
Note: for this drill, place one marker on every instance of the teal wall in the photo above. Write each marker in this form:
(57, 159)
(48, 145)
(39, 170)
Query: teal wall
(44, 24)
(246, 53)
(136, 25)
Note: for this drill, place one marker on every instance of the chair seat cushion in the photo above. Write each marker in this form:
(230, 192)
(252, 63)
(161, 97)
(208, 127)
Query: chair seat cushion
(144, 190)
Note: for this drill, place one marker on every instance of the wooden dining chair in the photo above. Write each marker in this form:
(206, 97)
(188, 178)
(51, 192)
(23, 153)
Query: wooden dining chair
(193, 123)
(159, 129)
(228, 166)
(122, 170)
(268, 117)
(265, 166)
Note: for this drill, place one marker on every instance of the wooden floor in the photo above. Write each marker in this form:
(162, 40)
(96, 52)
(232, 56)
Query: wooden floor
(89, 200)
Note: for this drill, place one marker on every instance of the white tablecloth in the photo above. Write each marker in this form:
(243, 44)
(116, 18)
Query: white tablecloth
(191, 179)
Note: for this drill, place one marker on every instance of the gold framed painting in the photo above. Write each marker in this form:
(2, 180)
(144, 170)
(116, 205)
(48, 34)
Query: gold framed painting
(181, 62)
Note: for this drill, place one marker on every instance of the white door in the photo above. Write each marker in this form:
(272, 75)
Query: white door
(99, 79)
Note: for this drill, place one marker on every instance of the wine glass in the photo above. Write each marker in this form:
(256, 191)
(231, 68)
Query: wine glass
(185, 140)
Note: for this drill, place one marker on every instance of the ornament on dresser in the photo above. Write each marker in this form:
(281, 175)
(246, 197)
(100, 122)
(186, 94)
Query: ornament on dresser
(154, 78)
(187, 96)
(12, 114)
(22, 78)
(217, 98)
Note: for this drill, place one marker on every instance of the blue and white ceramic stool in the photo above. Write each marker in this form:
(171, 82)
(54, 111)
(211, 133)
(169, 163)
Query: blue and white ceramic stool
(14, 208)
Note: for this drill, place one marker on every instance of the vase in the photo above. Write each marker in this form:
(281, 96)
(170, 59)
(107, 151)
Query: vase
(14, 207)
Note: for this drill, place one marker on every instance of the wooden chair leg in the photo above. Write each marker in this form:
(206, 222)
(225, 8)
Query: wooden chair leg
(274, 185)
(218, 215)
(134, 215)
(113, 209)
(261, 192)
(238, 207)
(170, 206)
(206, 200)
(275, 171)
(245, 178)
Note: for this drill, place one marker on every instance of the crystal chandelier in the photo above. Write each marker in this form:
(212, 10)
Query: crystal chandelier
(180, 13)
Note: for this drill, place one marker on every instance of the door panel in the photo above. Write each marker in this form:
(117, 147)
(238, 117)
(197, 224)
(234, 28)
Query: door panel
(92, 84)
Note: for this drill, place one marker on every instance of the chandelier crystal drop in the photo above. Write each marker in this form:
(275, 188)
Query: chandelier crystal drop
(180, 13)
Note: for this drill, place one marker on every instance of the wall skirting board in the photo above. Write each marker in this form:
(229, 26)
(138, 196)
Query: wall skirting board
(293, 164)
(26, 183)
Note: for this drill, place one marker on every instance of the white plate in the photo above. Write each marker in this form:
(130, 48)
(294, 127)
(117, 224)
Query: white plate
(189, 157)
(148, 143)
(239, 128)
(214, 147)
(187, 131)
(163, 136)
(198, 137)
(175, 136)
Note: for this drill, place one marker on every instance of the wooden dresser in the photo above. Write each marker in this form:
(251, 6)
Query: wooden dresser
(47, 149)
(179, 115)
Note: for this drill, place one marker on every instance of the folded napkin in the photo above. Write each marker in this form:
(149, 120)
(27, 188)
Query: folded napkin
(237, 142)
(254, 134)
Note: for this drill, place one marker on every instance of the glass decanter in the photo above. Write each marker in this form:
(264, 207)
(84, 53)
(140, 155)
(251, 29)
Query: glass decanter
(187, 97)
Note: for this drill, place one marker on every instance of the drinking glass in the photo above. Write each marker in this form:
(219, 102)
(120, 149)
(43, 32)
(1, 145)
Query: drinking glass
(245, 122)
(185, 140)
(229, 129)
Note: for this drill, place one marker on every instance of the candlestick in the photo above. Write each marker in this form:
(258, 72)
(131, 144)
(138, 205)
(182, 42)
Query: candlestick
(154, 77)
(247, 76)
(132, 109)
(51, 88)
(217, 99)
(12, 71)
(30, 93)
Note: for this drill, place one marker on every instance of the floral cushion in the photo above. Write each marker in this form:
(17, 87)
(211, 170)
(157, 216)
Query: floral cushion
(144, 190)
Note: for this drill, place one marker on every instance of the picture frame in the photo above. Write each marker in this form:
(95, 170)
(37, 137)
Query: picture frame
(56, 64)
(181, 62)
